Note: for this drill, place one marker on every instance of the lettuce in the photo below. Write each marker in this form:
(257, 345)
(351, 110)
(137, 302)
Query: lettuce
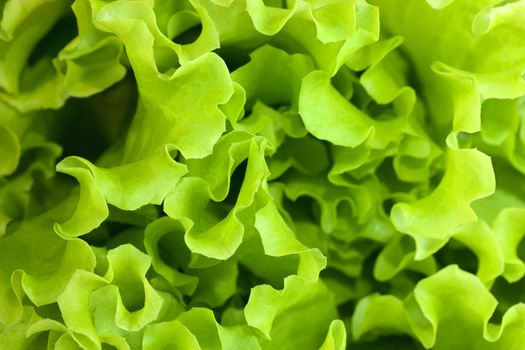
(262, 174)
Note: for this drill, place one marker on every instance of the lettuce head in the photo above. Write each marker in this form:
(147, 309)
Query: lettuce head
(262, 174)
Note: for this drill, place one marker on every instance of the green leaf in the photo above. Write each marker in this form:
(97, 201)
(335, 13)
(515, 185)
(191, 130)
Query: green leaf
(274, 313)
(431, 221)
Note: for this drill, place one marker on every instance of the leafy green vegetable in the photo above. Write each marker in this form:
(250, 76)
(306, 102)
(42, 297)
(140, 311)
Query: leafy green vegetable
(262, 174)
